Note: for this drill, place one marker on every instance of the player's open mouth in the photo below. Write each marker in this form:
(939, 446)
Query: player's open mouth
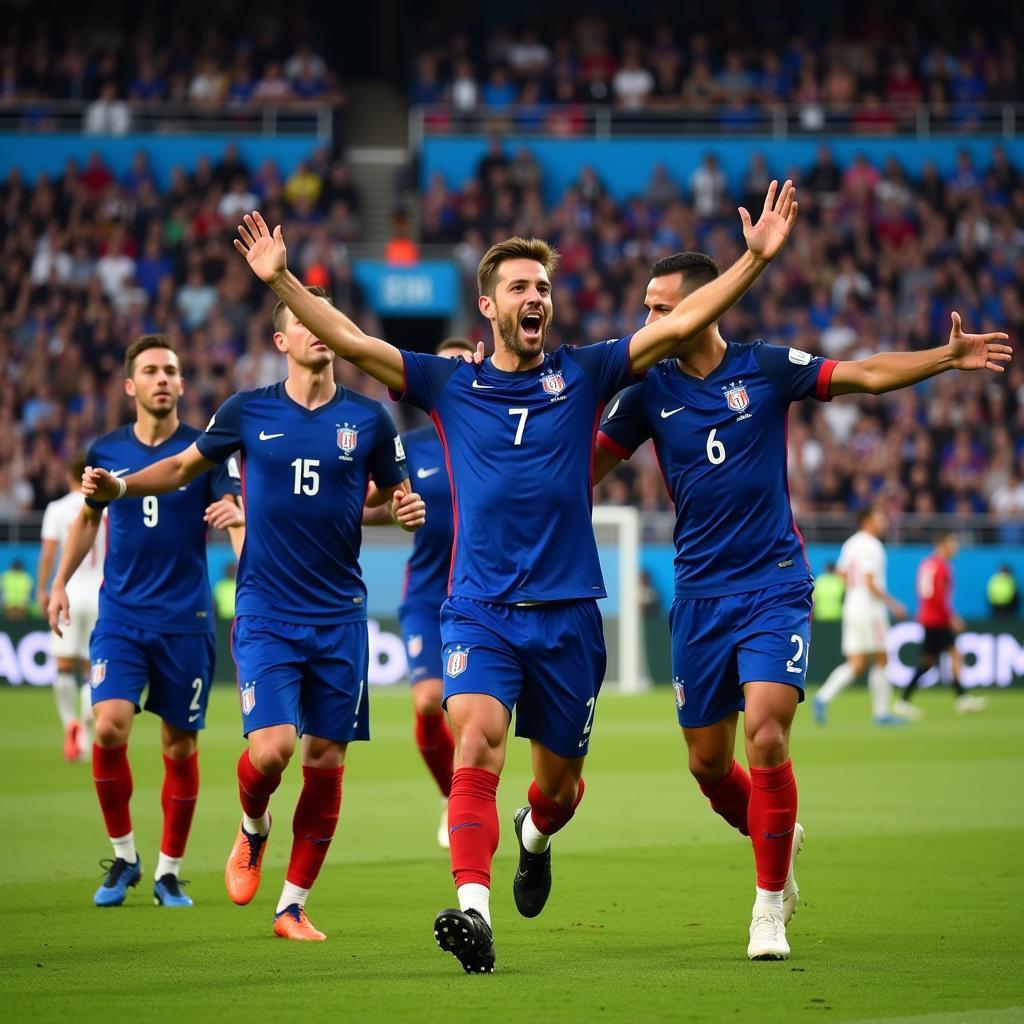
(531, 324)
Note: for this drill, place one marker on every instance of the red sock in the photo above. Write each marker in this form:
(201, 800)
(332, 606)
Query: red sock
(473, 824)
(314, 823)
(254, 788)
(548, 816)
(178, 799)
(113, 778)
(771, 817)
(434, 739)
(730, 796)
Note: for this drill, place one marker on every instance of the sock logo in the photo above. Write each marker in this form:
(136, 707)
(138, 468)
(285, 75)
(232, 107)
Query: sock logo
(778, 835)
(466, 824)
(317, 841)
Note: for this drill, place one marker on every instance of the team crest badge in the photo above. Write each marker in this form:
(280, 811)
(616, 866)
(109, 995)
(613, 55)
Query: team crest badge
(677, 685)
(348, 438)
(737, 398)
(98, 673)
(415, 646)
(458, 659)
(554, 383)
(248, 697)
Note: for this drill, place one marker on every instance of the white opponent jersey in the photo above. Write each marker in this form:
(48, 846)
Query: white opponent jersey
(862, 555)
(84, 586)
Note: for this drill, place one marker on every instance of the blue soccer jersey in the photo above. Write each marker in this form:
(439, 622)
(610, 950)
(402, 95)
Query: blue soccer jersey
(304, 479)
(155, 575)
(518, 450)
(721, 443)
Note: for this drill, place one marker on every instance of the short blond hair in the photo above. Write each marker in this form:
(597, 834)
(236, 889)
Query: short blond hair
(514, 249)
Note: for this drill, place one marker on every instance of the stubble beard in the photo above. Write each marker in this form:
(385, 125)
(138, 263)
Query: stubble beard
(508, 329)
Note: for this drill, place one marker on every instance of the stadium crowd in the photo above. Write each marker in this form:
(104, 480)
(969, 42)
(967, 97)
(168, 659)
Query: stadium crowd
(872, 70)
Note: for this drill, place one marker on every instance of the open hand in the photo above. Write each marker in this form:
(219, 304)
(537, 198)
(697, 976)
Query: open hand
(767, 237)
(408, 509)
(224, 513)
(977, 351)
(263, 250)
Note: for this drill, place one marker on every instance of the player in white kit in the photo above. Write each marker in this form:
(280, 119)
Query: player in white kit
(866, 610)
(71, 650)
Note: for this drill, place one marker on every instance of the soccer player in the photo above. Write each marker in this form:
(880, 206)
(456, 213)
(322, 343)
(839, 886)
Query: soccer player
(425, 590)
(71, 650)
(521, 626)
(941, 626)
(155, 621)
(309, 449)
(866, 609)
(741, 617)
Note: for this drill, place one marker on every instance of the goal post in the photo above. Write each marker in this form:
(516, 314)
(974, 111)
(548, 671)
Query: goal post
(617, 528)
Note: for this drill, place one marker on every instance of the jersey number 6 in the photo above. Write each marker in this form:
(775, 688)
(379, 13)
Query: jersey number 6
(715, 449)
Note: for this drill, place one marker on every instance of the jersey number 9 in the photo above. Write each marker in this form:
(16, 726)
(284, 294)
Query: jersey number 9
(150, 510)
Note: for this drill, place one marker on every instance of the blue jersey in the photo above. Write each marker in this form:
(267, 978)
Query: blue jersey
(516, 445)
(304, 478)
(155, 575)
(429, 566)
(721, 443)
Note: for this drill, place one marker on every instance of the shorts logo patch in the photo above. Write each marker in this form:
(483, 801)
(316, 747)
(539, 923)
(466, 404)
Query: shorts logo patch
(248, 697)
(677, 685)
(98, 673)
(415, 645)
(458, 659)
(553, 383)
(737, 398)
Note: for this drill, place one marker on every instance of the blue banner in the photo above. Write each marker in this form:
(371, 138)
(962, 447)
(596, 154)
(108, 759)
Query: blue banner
(430, 288)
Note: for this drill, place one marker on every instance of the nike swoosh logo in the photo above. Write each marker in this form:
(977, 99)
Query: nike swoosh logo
(422, 474)
(269, 437)
(120, 472)
(479, 387)
(317, 841)
(778, 835)
(665, 413)
(193, 718)
(465, 824)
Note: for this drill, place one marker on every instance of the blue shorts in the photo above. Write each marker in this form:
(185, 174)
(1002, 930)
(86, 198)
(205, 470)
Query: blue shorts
(310, 676)
(720, 643)
(547, 662)
(421, 631)
(177, 666)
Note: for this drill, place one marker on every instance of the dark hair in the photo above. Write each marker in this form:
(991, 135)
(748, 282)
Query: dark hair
(864, 514)
(144, 344)
(463, 344)
(76, 466)
(697, 268)
(277, 317)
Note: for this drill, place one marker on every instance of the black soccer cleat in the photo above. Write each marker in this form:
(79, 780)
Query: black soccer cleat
(468, 937)
(532, 884)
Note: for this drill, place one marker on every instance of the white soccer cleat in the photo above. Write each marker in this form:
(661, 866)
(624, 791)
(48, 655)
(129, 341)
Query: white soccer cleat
(904, 709)
(791, 891)
(442, 829)
(968, 703)
(767, 935)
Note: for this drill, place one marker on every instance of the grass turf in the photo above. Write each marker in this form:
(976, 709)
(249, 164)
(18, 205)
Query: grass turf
(911, 880)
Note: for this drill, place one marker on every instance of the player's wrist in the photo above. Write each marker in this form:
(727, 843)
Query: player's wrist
(122, 487)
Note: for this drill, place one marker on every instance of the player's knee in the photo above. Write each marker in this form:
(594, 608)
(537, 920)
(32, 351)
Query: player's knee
(271, 758)
(110, 731)
(562, 791)
(181, 746)
(426, 699)
(709, 768)
(767, 745)
(474, 749)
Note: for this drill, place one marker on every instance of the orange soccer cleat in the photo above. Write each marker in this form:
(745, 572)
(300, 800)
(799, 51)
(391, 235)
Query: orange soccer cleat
(73, 742)
(242, 874)
(292, 923)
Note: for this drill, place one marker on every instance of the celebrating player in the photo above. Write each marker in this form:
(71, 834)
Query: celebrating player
(309, 448)
(155, 616)
(866, 609)
(941, 626)
(426, 588)
(521, 625)
(741, 617)
(71, 650)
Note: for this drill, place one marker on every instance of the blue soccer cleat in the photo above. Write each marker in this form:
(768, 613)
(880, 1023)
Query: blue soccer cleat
(167, 892)
(120, 875)
(888, 720)
(819, 710)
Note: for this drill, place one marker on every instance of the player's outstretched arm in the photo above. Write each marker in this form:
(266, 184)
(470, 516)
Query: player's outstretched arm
(890, 371)
(265, 252)
(166, 475)
(47, 556)
(703, 307)
(604, 462)
(80, 540)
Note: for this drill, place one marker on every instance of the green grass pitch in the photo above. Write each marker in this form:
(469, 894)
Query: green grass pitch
(911, 879)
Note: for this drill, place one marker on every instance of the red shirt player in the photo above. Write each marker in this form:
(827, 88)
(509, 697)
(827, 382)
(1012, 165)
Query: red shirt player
(941, 626)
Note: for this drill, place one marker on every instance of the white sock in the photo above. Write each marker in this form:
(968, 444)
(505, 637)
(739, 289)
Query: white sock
(768, 898)
(473, 896)
(838, 680)
(257, 826)
(65, 693)
(124, 847)
(291, 894)
(881, 691)
(534, 840)
(167, 866)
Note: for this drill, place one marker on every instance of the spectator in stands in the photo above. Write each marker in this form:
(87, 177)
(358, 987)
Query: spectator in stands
(107, 115)
(16, 588)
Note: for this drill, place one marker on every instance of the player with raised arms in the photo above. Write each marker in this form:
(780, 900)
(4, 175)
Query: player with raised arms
(521, 627)
(741, 616)
(156, 618)
(309, 449)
